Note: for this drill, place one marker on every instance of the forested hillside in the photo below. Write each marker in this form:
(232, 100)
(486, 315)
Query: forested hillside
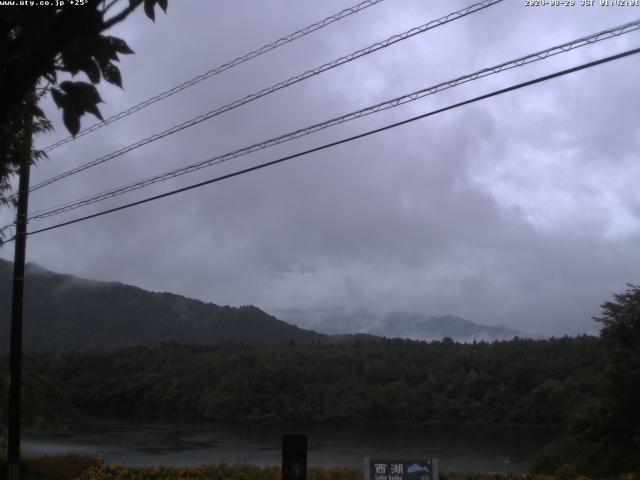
(520, 382)
(63, 312)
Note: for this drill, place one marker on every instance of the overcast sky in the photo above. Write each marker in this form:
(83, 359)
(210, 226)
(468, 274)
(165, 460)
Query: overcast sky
(522, 210)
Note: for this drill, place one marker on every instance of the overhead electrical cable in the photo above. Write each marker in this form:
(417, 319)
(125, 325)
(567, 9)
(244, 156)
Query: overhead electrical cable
(533, 57)
(219, 69)
(342, 141)
(278, 86)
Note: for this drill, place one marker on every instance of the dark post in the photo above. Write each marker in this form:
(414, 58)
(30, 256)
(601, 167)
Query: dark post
(15, 356)
(294, 457)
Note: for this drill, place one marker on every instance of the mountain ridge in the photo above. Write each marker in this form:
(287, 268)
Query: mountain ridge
(414, 326)
(64, 312)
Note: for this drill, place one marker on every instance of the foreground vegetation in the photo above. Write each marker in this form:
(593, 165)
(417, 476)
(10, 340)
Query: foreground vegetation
(224, 472)
(78, 467)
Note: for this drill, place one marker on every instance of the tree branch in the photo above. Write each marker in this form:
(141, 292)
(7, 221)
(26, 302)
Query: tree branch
(120, 16)
(106, 8)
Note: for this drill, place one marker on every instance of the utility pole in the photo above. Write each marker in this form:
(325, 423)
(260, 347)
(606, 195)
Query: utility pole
(15, 355)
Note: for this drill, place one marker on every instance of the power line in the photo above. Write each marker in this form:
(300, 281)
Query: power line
(219, 69)
(278, 86)
(344, 140)
(534, 57)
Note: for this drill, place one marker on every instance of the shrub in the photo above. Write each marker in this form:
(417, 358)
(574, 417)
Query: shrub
(59, 467)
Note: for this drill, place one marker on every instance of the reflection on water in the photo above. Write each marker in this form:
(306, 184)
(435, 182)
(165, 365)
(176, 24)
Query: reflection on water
(129, 442)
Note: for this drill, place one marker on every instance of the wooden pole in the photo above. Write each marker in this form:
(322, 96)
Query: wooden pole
(15, 355)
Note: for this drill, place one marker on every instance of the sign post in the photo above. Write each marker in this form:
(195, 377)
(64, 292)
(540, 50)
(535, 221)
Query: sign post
(396, 469)
(294, 457)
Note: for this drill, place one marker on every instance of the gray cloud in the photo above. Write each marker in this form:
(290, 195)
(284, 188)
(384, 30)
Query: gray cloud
(521, 210)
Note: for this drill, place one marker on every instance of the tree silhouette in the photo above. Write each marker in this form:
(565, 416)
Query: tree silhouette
(617, 430)
(41, 43)
(603, 435)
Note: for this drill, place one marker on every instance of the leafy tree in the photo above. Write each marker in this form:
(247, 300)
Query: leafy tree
(618, 429)
(603, 437)
(44, 404)
(329, 383)
(40, 43)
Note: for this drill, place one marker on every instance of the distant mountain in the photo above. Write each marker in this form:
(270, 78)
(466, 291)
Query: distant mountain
(420, 327)
(63, 312)
(403, 325)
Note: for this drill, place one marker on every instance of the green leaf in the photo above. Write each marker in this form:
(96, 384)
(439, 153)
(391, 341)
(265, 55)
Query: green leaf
(71, 120)
(111, 74)
(119, 45)
(76, 54)
(67, 86)
(104, 50)
(81, 90)
(38, 113)
(80, 97)
(70, 61)
(163, 5)
(92, 71)
(58, 97)
(93, 109)
(148, 9)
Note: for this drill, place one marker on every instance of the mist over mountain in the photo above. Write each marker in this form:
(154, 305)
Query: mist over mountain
(63, 312)
(399, 324)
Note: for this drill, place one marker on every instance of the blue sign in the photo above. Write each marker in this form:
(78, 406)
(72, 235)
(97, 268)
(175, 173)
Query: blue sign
(385, 469)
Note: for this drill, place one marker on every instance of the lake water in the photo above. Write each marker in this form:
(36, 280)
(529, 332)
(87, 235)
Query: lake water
(130, 442)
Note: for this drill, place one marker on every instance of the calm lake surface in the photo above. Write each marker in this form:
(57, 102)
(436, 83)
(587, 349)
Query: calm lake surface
(131, 442)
